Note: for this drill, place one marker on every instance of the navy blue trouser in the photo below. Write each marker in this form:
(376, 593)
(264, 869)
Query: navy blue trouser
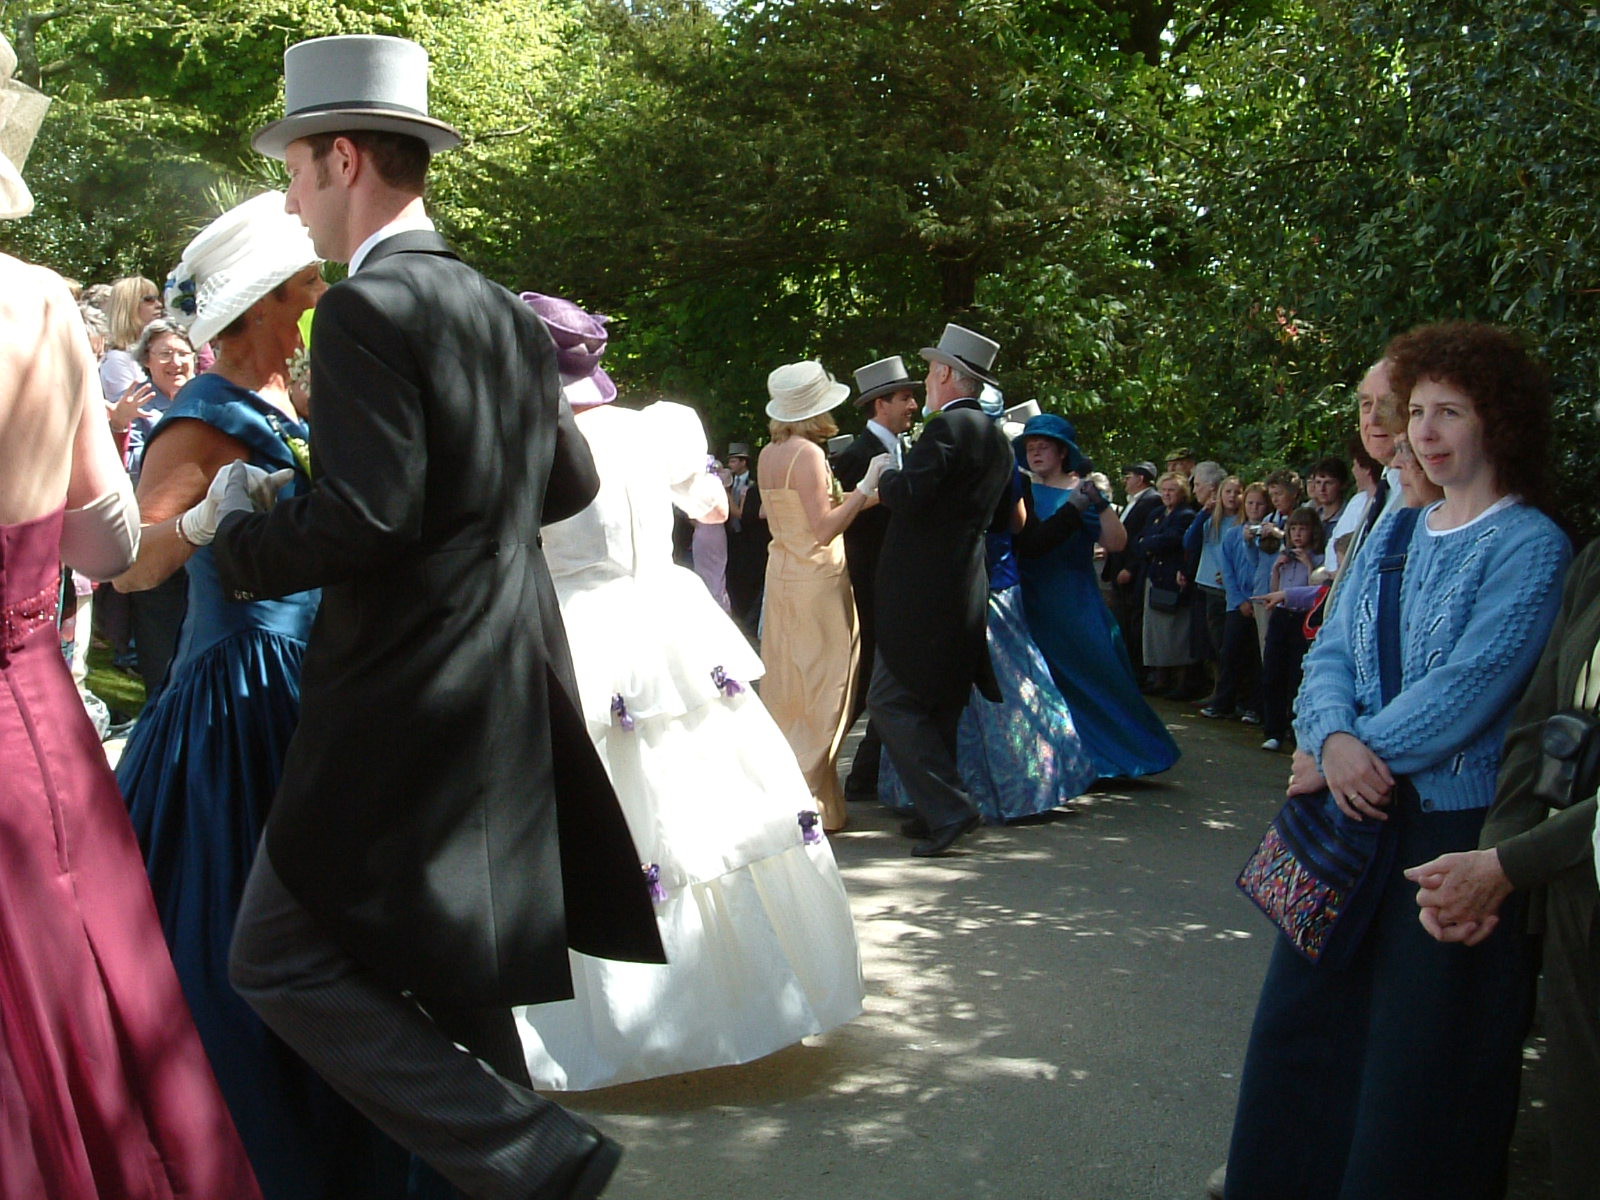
(1396, 1076)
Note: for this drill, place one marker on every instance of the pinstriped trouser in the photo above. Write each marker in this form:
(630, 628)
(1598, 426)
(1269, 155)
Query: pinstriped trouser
(489, 1137)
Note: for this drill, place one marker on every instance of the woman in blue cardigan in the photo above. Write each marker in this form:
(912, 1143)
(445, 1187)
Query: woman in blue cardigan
(1394, 1075)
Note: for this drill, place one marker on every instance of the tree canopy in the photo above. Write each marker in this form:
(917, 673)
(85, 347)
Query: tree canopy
(1186, 223)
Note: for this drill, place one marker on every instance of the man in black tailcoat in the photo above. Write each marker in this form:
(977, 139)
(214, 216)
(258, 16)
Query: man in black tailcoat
(748, 537)
(932, 589)
(1123, 570)
(443, 832)
(888, 396)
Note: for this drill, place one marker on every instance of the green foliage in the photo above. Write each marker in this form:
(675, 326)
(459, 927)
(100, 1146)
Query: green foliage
(1191, 223)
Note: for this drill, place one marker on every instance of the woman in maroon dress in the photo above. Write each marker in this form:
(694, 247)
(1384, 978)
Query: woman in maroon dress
(104, 1088)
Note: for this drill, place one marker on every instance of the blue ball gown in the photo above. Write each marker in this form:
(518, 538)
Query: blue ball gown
(1080, 640)
(1022, 756)
(199, 773)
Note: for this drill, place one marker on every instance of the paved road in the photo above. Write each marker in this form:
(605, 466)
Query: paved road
(1057, 1011)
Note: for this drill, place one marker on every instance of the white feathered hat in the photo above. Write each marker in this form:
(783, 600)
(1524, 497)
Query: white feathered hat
(233, 262)
(21, 112)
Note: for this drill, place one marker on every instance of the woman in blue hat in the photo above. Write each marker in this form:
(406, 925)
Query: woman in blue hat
(1068, 619)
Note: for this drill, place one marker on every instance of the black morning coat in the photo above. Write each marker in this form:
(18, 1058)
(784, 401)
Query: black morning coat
(932, 586)
(442, 809)
(861, 543)
(1134, 521)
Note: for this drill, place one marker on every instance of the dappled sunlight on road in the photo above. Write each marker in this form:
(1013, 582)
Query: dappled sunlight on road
(1092, 970)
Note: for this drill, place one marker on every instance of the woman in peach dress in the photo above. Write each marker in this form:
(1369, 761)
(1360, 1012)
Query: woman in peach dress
(809, 639)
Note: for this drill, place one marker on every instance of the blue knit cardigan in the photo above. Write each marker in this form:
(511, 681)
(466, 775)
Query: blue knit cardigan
(1476, 606)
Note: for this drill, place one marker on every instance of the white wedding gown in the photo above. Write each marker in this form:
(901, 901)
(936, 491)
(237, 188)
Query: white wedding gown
(761, 949)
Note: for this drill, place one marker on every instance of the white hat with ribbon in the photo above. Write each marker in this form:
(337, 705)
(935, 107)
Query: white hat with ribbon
(21, 113)
(235, 261)
(797, 391)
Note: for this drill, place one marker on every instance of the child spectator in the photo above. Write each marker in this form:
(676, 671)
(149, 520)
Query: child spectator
(1286, 638)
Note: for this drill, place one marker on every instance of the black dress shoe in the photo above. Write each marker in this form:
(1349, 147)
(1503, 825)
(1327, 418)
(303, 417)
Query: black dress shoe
(585, 1177)
(940, 840)
(915, 827)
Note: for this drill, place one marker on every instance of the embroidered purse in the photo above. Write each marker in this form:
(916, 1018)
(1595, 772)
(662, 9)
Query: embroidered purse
(1317, 872)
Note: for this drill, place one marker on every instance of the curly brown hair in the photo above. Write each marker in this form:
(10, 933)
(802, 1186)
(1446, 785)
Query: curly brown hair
(1508, 387)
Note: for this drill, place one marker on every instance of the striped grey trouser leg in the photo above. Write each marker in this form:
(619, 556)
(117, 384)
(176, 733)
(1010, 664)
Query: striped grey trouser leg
(489, 1137)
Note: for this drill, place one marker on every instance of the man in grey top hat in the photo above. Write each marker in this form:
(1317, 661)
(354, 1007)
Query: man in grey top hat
(426, 870)
(888, 396)
(932, 589)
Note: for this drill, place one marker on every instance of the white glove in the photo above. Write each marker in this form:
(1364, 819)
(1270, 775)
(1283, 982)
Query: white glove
(238, 487)
(875, 469)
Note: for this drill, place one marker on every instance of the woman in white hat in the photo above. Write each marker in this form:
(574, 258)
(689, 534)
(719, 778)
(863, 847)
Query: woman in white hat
(204, 761)
(809, 638)
(104, 1086)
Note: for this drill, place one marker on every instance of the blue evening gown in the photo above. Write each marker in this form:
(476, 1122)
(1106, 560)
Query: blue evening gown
(1080, 640)
(199, 773)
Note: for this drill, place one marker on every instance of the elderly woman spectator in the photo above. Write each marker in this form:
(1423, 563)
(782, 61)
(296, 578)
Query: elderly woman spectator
(809, 636)
(1168, 639)
(1395, 1073)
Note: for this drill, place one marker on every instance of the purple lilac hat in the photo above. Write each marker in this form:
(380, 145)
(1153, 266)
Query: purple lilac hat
(580, 339)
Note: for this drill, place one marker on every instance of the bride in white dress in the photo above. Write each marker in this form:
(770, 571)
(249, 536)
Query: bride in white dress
(761, 949)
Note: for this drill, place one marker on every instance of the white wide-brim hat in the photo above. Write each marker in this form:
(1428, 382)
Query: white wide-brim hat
(800, 390)
(235, 261)
(21, 113)
(350, 82)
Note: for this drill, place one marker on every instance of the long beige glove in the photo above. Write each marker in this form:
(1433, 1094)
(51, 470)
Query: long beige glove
(101, 539)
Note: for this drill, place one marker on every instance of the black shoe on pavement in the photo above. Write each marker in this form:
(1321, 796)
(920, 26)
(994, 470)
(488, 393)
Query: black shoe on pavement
(940, 840)
(914, 827)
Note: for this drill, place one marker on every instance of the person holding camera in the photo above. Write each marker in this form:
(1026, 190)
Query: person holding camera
(1537, 840)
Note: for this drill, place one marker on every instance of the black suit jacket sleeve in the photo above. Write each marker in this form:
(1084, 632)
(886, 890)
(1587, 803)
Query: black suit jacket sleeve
(1038, 536)
(850, 464)
(915, 485)
(574, 480)
(370, 457)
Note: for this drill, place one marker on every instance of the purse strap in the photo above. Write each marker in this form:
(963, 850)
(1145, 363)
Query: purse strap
(1391, 570)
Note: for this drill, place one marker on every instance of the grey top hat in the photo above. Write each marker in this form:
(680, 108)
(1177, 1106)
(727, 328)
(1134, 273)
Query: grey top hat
(738, 450)
(355, 81)
(882, 377)
(968, 352)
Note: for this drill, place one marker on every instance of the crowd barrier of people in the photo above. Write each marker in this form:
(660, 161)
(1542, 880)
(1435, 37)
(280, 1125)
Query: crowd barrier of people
(355, 958)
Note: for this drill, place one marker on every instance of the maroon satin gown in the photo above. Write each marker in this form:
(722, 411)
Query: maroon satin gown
(104, 1088)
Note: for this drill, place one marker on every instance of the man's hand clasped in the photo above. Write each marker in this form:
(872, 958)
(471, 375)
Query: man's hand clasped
(238, 487)
(868, 486)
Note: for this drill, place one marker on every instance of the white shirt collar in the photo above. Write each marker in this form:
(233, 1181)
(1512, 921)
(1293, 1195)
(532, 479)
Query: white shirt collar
(402, 224)
(890, 442)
